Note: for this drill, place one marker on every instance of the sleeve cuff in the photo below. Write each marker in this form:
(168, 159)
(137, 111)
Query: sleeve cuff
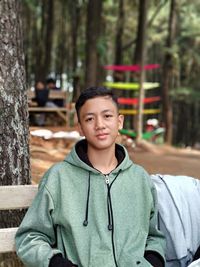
(58, 261)
(154, 258)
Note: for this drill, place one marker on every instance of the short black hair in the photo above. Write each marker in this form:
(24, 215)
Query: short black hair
(93, 92)
(50, 80)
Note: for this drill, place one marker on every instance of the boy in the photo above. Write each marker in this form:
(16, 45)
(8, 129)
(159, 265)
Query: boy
(96, 208)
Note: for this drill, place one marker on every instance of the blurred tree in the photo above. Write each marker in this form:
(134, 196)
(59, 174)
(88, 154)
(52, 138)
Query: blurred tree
(74, 21)
(43, 57)
(93, 30)
(168, 72)
(38, 18)
(119, 34)
(119, 76)
(61, 45)
(139, 59)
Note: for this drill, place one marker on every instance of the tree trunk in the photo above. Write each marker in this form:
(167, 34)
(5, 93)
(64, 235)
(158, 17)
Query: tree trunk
(75, 19)
(27, 24)
(92, 37)
(62, 47)
(49, 21)
(167, 74)
(119, 34)
(14, 149)
(139, 58)
(119, 76)
(44, 39)
(159, 7)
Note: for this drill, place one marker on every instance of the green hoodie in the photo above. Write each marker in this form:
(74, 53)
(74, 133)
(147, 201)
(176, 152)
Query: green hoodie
(92, 219)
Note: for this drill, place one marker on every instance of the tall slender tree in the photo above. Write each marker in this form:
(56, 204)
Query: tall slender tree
(61, 42)
(44, 38)
(75, 19)
(168, 72)
(49, 22)
(119, 33)
(139, 58)
(93, 30)
(119, 76)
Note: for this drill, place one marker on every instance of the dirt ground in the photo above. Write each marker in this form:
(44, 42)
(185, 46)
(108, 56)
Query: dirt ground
(160, 159)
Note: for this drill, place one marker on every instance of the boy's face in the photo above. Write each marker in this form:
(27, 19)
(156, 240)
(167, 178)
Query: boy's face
(100, 122)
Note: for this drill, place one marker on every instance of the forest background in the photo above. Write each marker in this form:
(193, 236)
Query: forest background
(73, 40)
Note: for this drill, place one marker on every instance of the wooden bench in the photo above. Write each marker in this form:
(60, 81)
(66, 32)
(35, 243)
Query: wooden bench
(63, 112)
(14, 197)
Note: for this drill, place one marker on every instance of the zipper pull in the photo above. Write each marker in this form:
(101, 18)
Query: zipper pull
(107, 179)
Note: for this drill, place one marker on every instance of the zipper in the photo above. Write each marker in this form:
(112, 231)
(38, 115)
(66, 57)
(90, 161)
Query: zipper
(107, 179)
(110, 216)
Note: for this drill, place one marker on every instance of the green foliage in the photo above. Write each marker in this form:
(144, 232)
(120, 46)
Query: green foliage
(102, 49)
(188, 94)
(185, 50)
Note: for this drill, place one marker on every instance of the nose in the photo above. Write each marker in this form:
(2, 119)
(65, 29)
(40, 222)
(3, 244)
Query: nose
(99, 123)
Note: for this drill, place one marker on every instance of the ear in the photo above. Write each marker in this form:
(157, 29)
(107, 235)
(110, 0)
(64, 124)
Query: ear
(80, 129)
(120, 121)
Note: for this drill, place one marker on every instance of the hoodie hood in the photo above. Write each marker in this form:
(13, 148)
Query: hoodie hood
(78, 157)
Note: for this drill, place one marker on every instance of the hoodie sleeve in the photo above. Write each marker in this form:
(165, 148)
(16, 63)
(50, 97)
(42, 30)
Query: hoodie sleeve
(35, 237)
(155, 244)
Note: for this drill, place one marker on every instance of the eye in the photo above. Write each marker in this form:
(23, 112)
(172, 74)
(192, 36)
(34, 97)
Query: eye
(107, 116)
(89, 119)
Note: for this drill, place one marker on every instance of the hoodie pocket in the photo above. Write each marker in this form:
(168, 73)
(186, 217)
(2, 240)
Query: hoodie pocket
(102, 260)
(133, 261)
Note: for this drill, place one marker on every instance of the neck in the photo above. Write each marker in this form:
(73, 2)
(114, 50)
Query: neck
(105, 160)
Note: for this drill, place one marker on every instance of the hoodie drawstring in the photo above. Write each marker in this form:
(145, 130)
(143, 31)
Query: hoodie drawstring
(109, 204)
(111, 217)
(85, 222)
(110, 211)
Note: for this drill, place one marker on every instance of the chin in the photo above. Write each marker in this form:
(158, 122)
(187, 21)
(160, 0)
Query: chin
(102, 146)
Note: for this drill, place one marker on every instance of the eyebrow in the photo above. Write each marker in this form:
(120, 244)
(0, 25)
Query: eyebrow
(92, 113)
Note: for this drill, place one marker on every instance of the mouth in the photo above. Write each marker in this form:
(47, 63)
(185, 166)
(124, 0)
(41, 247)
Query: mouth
(102, 136)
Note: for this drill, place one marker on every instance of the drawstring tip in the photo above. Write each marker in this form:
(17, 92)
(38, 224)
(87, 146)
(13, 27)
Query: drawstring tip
(110, 227)
(85, 223)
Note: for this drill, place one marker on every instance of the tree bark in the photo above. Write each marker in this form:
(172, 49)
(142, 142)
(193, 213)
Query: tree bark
(14, 149)
(139, 58)
(119, 34)
(119, 76)
(75, 22)
(49, 21)
(149, 23)
(44, 39)
(168, 74)
(92, 37)
(62, 47)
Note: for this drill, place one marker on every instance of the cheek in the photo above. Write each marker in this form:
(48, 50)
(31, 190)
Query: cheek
(85, 130)
(116, 126)
(80, 130)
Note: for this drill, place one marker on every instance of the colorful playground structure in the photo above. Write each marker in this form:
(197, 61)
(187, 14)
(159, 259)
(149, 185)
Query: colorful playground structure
(149, 134)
